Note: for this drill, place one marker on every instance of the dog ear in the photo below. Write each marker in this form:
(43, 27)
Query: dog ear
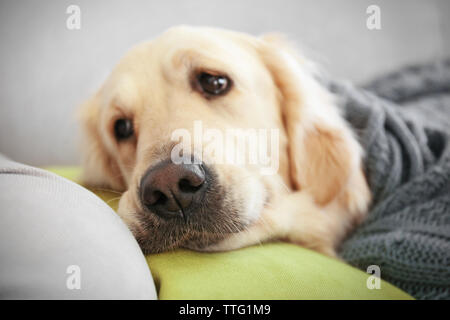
(322, 152)
(99, 167)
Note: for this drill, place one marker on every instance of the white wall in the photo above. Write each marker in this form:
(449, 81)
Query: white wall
(47, 70)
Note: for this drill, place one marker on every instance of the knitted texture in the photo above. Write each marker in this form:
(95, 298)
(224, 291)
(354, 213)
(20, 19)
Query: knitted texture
(403, 123)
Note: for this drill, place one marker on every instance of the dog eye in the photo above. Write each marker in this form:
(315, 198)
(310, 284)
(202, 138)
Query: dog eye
(213, 84)
(123, 129)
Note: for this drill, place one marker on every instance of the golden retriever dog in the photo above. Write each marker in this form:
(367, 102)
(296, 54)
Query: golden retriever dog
(222, 80)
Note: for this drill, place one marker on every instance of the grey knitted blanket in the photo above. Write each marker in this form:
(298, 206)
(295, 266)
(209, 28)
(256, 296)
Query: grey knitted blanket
(403, 123)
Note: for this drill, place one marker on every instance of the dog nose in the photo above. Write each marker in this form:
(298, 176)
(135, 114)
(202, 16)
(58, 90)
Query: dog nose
(169, 189)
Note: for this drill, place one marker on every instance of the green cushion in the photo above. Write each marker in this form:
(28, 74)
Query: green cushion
(269, 271)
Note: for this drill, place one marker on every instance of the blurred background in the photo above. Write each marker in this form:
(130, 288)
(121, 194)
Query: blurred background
(47, 70)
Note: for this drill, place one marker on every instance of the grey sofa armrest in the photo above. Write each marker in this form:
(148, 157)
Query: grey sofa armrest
(60, 241)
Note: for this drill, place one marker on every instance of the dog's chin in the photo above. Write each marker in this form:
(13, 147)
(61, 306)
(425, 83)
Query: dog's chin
(161, 237)
(155, 235)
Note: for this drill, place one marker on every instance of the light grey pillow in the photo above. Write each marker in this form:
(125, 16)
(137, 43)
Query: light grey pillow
(60, 241)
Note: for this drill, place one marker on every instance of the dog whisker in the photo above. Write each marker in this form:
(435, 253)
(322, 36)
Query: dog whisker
(108, 190)
(113, 199)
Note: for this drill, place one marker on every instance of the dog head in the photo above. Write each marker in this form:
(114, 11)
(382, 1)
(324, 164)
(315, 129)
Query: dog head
(165, 124)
